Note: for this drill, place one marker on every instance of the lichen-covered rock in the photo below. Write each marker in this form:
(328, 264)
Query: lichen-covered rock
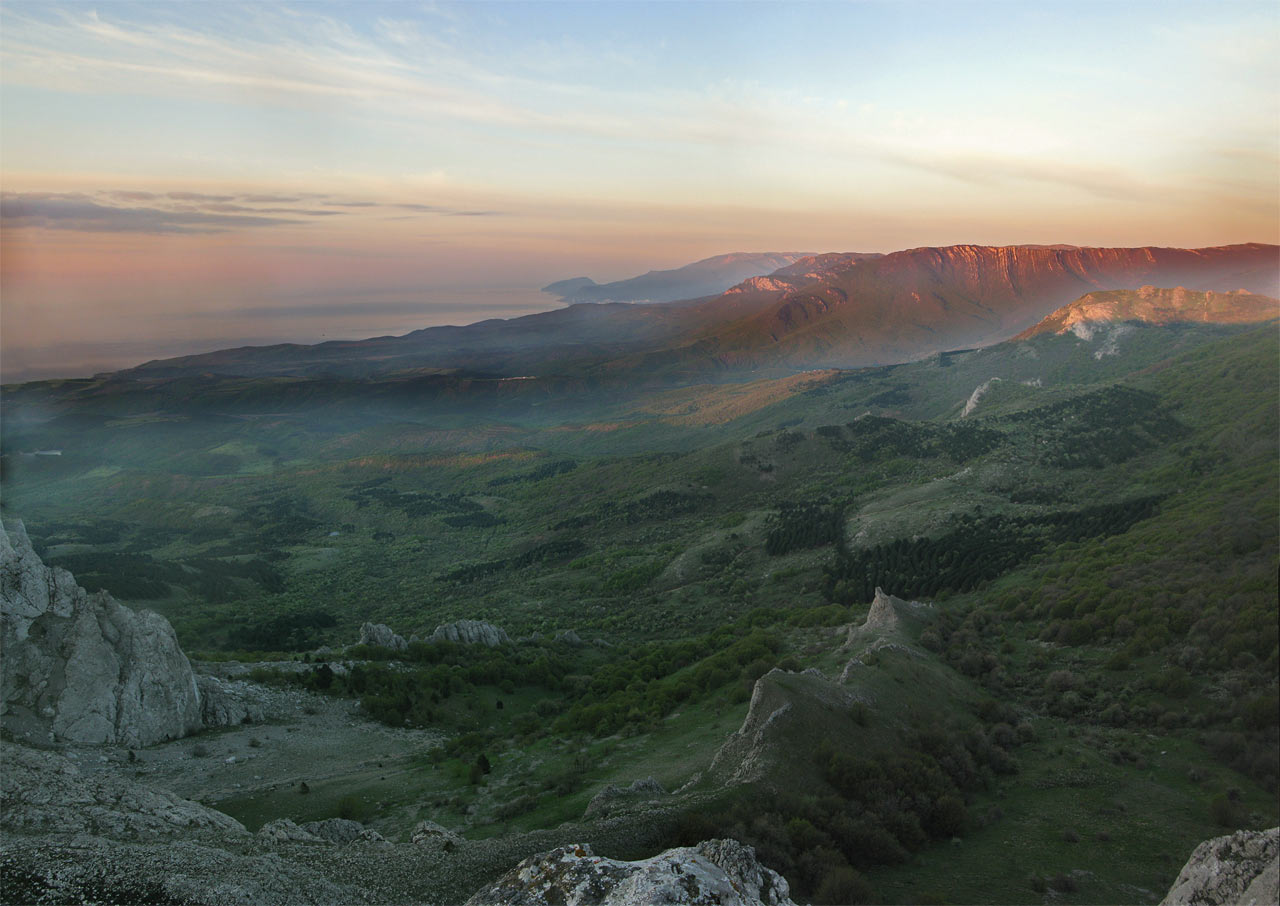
(380, 635)
(722, 872)
(82, 668)
(1242, 868)
(470, 632)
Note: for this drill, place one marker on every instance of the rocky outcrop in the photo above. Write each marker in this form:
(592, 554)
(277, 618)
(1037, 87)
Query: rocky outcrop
(1242, 868)
(569, 637)
(1086, 316)
(470, 632)
(225, 703)
(723, 872)
(380, 635)
(82, 668)
(887, 617)
(789, 713)
(613, 797)
(976, 397)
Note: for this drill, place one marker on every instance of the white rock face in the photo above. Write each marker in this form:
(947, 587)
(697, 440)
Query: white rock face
(1242, 868)
(722, 872)
(470, 632)
(381, 636)
(976, 397)
(82, 668)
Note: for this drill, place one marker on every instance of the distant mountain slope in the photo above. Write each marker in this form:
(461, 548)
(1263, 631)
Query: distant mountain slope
(1151, 305)
(833, 310)
(702, 278)
(857, 311)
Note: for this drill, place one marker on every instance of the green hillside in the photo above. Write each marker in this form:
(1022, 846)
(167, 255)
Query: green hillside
(1097, 679)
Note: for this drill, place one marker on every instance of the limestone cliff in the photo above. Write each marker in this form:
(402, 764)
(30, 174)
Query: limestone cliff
(1152, 305)
(471, 632)
(82, 668)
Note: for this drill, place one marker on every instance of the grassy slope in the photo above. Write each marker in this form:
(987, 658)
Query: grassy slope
(179, 489)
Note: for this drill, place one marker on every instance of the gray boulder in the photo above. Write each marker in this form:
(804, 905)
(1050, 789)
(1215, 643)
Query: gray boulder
(723, 872)
(225, 703)
(82, 668)
(471, 632)
(381, 636)
(1242, 868)
(428, 833)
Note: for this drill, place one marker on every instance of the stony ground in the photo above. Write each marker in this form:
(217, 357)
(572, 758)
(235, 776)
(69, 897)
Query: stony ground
(305, 738)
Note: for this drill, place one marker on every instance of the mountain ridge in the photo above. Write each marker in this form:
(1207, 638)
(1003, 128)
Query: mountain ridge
(831, 310)
(701, 278)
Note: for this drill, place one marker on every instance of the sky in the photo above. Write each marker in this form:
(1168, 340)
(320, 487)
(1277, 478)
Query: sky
(191, 176)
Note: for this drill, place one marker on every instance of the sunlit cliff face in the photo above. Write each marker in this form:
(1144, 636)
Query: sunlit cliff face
(191, 175)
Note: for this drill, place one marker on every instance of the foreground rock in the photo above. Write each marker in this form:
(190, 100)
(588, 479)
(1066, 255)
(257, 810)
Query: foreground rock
(1242, 868)
(723, 872)
(82, 668)
(471, 632)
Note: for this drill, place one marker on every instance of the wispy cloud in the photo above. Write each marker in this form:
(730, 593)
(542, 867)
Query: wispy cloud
(187, 212)
(81, 213)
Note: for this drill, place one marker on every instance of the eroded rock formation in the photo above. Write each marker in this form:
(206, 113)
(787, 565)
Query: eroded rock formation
(381, 636)
(470, 632)
(82, 668)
